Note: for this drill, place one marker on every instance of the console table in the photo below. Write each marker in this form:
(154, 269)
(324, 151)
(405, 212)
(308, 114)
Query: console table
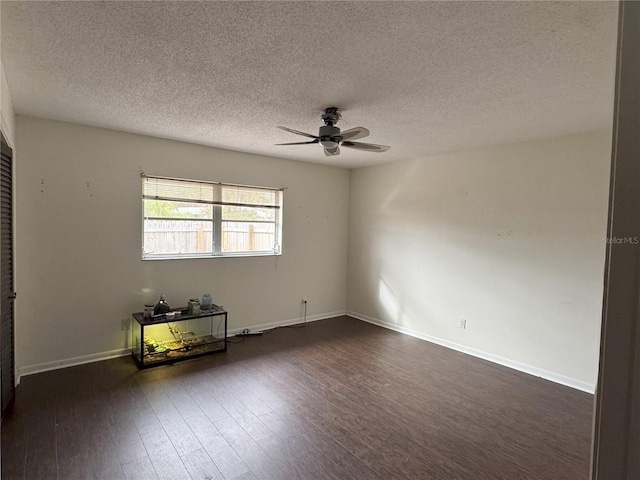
(161, 340)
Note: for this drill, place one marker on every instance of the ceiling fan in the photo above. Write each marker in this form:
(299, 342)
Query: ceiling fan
(331, 138)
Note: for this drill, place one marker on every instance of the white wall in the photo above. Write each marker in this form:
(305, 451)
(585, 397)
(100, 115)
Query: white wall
(6, 110)
(509, 238)
(78, 236)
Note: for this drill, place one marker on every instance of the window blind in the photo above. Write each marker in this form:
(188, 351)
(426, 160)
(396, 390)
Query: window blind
(160, 188)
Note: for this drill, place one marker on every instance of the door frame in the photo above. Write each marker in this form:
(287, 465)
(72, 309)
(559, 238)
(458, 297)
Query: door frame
(616, 424)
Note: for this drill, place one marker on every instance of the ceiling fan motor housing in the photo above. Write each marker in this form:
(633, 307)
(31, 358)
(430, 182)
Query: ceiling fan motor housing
(328, 131)
(328, 137)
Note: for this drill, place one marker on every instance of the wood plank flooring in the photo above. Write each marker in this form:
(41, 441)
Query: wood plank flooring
(337, 399)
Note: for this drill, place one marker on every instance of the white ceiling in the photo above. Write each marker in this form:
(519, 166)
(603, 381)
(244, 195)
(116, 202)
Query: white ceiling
(423, 77)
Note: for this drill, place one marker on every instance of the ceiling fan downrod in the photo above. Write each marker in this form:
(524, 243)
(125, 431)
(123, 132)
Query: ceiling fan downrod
(331, 116)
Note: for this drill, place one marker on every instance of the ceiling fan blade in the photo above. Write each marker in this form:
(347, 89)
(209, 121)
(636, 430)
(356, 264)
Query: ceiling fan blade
(354, 133)
(330, 152)
(370, 147)
(296, 132)
(298, 143)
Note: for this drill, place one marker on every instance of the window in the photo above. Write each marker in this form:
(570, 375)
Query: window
(190, 218)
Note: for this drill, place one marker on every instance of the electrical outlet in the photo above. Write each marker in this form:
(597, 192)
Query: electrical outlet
(126, 323)
(304, 299)
(463, 323)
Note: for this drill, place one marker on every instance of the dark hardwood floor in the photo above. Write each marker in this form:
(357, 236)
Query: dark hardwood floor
(337, 399)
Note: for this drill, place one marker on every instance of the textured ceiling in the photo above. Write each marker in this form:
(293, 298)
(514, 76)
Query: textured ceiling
(423, 77)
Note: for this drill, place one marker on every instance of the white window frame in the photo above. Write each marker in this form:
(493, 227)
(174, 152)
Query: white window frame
(216, 220)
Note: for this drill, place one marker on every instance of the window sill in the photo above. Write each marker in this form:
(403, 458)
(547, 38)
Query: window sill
(201, 257)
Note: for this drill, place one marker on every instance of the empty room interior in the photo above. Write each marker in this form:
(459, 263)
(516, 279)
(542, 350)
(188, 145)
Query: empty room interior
(379, 230)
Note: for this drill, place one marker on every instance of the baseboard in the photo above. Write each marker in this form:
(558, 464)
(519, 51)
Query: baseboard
(97, 357)
(521, 367)
(284, 323)
(70, 362)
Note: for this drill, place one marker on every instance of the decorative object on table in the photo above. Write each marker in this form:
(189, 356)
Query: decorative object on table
(206, 302)
(161, 307)
(194, 306)
(148, 310)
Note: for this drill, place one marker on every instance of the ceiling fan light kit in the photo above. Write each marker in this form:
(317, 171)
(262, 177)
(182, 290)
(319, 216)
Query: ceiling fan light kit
(331, 138)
